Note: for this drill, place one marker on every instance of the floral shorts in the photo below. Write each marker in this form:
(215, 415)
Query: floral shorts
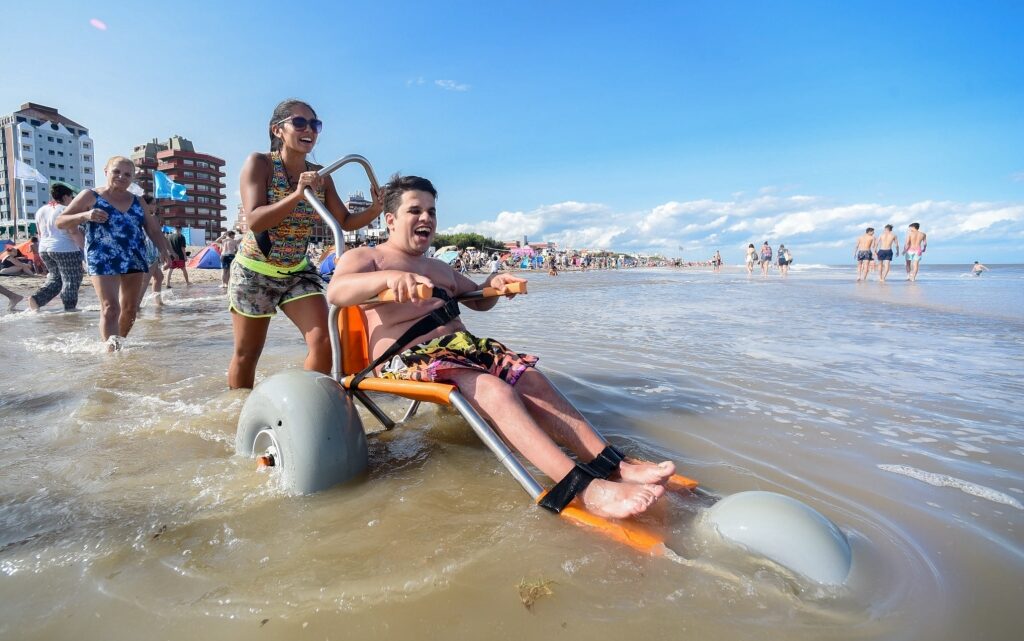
(258, 295)
(461, 350)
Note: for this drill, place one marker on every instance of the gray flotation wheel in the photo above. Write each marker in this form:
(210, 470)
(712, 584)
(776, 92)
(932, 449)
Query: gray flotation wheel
(306, 423)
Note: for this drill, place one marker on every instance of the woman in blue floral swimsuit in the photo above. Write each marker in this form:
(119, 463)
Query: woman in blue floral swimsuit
(115, 228)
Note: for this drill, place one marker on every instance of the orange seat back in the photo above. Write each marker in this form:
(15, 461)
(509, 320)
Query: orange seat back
(355, 342)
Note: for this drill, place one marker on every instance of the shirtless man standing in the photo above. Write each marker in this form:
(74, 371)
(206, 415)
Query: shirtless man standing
(519, 401)
(883, 249)
(917, 243)
(863, 253)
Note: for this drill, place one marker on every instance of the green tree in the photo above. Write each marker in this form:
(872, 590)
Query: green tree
(463, 241)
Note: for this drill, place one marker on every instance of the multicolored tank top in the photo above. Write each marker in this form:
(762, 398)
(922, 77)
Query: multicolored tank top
(281, 250)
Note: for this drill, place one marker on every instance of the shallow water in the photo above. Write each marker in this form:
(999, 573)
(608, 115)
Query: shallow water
(893, 409)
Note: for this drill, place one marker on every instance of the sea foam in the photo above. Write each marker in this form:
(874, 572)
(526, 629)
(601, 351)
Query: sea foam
(941, 480)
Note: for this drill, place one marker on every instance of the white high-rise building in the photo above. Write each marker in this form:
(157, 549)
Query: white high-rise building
(56, 146)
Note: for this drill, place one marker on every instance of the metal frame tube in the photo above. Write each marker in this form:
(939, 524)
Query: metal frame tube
(496, 445)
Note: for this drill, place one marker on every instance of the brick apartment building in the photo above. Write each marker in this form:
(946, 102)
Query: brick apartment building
(201, 174)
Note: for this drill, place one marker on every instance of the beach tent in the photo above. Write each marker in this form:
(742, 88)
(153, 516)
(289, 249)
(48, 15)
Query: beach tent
(207, 258)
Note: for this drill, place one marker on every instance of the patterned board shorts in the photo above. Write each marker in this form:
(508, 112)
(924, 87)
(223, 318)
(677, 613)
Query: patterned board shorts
(461, 350)
(257, 295)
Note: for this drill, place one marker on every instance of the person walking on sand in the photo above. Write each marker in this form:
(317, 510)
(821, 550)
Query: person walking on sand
(271, 269)
(766, 258)
(750, 258)
(156, 272)
(862, 253)
(115, 249)
(917, 243)
(503, 385)
(61, 252)
(228, 248)
(176, 241)
(884, 247)
(784, 259)
(978, 268)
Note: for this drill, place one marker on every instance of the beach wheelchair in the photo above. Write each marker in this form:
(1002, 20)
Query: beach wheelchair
(306, 424)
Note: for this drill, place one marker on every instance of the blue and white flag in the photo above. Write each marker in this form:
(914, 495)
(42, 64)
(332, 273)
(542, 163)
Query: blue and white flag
(164, 187)
(25, 171)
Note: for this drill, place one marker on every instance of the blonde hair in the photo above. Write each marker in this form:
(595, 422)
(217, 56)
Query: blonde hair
(117, 160)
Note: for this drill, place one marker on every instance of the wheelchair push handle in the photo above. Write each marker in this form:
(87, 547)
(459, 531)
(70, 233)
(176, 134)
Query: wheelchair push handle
(423, 291)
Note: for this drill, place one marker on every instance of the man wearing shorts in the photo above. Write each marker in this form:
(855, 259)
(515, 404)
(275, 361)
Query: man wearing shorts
(884, 250)
(503, 385)
(917, 242)
(863, 253)
(177, 242)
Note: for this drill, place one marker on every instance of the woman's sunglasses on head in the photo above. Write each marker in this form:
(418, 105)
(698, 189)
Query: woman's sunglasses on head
(300, 123)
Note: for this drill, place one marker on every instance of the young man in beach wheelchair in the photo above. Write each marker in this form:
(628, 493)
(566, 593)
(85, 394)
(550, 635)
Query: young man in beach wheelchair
(420, 336)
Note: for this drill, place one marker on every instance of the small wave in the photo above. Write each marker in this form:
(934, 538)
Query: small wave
(800, 268)
(941, 480)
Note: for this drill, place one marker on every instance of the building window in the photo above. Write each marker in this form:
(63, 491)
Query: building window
(25, 134)
(26, 147)
(85, 145)
(88, 183)
(87, 158)
(29, 188)
(52, 165)
(30, 202)
(87, 170)
(60, 153)
(53, 153)
(189, 162)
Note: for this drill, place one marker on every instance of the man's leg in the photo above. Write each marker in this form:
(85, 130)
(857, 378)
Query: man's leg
(493, 397)
(184, 272)
(170, 270)
(51, 287)
(561, 421)
(916, 266)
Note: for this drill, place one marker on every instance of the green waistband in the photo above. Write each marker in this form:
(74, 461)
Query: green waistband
(267, 269)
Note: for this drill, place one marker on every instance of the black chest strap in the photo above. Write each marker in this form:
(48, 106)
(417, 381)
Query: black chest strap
(437, 318)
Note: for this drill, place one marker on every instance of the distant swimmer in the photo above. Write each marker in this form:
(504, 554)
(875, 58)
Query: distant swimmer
(884, 250)
(863, 253)
(716, 261)
(917, 243)
(978, 268)
(751, 258)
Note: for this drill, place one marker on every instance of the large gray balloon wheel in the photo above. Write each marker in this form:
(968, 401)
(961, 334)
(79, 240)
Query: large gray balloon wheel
(307, 422)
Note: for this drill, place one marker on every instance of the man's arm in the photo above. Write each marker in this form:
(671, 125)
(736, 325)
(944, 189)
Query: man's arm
(356, 279)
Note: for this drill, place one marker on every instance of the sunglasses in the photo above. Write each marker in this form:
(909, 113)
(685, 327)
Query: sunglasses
(301, 123)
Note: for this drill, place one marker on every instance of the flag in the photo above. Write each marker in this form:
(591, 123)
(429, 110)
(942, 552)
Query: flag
(164, 187)
(25, 171)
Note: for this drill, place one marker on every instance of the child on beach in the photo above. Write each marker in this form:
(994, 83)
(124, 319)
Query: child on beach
(271, 269)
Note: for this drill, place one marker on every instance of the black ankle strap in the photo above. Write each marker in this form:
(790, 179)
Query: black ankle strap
(606, 462)
(577, 480)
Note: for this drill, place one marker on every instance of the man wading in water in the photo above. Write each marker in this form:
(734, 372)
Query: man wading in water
(520, 402)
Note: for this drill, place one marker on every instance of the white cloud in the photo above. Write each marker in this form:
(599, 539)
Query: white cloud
(805, 223)
(451, 85)
(1018, 177)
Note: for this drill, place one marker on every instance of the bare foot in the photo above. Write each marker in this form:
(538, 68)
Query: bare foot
(619, 500)
(13, 299)
(32, 304)
(637, 471)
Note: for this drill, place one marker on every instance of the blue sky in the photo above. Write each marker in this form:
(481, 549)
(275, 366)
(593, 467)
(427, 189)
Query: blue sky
(676, 127)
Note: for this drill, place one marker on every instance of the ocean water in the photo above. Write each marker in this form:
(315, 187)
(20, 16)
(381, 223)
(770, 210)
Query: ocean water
(892, 408)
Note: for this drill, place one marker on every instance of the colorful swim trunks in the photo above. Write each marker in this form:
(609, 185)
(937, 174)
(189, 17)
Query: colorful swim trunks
(863, 255)
(461, 350)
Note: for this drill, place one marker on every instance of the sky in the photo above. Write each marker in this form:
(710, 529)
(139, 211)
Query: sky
(672, 128)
